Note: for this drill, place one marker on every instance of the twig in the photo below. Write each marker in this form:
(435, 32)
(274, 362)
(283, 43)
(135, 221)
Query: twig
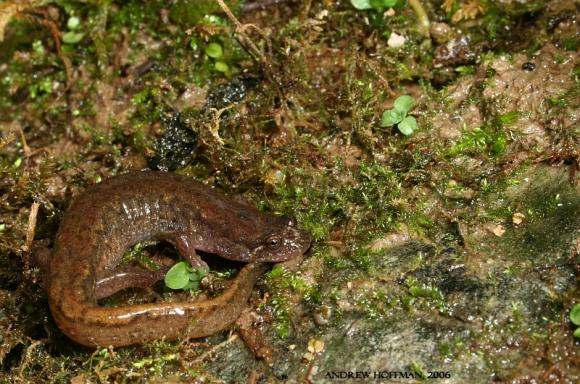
(240, 30)
(215, 348)
(214, 128)
(309, 371)
(25, 147)
(260, 31)
(30, 231)
(63, 58)
(422, 16)
(51, 25)
(305, 9)
(253, 377)
(6, 139)
(249, 45)
(27, 357)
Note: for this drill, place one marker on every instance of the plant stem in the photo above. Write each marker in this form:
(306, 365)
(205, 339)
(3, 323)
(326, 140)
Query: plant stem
(421, 16)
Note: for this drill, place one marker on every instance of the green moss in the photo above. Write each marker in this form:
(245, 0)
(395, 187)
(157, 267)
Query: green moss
(281, 283)
(419, 370)
(279, 304)
(418, 290)
(362, 258)
(453, 347)
(137, 18)
(318, 219)
(568, 97)
(155, 364)
(480, 141)
(444, 349)
(187, 13)
(364, 197)
(571, 43)
(156, 359)
(424, 295)
(149, 105)
(496, 22)
(337, 263)
(507, 119)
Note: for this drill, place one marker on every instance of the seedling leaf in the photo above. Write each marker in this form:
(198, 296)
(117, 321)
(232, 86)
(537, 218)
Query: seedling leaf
(408, 126)
(73, 22)
(575, 314)
(404, 103)
(361, 4)
(391, 117)
(220, 66)
(72, 37)
(214, 50)
(178, 276)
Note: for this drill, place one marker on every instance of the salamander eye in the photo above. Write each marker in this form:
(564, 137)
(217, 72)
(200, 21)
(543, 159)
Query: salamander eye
(273, 242)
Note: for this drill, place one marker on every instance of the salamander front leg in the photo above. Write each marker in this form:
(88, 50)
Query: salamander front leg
(187, 251)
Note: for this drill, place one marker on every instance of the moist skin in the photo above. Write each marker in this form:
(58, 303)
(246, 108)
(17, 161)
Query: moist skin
(124, 210)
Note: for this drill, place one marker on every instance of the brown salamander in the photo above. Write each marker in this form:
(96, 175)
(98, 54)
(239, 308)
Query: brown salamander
(119, 212)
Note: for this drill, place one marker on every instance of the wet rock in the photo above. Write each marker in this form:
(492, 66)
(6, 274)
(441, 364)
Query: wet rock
(393, 239)
(456, 191)
(229, 93)
(192, 97)
(513, 88)
(322, 315)
(520, 7)
(455, 52)
(174, 149)
(441, 32)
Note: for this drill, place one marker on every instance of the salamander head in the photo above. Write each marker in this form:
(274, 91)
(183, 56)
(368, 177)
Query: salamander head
(280, 242)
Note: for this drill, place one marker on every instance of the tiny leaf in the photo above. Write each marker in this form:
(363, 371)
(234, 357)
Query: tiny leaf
(408, 126)
(575, 314)
(195, 278)
(404, 103)
(72, 37)
(361, 4)
(214, 50)
(191, 286)
(220, 66)
(73, 22)
(178, 276)
(577, 333)
(391, 117)
(379, 5)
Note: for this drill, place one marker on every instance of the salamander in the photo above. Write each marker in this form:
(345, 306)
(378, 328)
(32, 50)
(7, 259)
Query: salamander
(121, 211)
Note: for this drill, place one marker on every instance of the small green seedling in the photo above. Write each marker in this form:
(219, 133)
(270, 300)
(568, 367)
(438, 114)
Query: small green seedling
(182, 276)
(398, 116)
(215, 51)
(575, 318)
(73, 35)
